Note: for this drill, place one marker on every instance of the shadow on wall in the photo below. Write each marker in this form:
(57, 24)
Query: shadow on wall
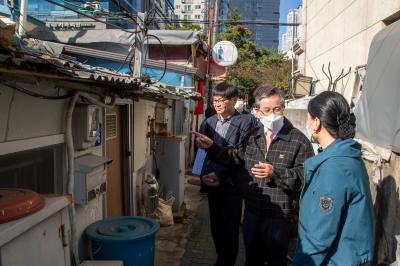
(387, 218)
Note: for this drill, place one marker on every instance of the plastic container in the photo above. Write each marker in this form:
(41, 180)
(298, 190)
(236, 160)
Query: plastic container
(16, 203)
(127, 238)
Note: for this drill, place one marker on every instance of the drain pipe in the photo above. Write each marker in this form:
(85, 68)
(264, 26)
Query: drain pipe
(71, 178)
(71, 163)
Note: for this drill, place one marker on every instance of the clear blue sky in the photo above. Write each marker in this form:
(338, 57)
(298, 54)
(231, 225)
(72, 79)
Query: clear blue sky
(284, 9)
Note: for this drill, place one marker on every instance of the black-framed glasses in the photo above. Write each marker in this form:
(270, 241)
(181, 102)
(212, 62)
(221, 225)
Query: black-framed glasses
(223, 100)
(275, 110)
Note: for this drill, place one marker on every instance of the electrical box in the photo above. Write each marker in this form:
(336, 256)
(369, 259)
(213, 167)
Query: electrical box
(85, 126)
(170, 160)
(90, 177)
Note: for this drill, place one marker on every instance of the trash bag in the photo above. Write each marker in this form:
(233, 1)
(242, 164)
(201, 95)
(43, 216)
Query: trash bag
(163, 213)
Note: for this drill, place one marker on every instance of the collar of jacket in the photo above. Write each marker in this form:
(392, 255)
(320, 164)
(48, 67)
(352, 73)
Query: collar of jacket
(338, 148)
(219, 118)
(285, 133)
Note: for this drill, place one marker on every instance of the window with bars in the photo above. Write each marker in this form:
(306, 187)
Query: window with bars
(41, 170)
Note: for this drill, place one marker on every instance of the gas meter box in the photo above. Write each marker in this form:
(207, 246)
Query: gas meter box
(90, 177)
(86, 126)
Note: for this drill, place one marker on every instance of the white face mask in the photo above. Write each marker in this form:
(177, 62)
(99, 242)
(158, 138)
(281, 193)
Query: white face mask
(239, 105)
(271, 121)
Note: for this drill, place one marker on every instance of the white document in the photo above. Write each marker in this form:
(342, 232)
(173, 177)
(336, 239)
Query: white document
(199, 161)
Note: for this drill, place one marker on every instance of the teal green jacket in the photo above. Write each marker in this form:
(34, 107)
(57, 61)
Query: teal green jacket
(336, 214)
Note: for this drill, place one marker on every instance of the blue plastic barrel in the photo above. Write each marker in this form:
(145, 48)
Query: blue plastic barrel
(127, 238)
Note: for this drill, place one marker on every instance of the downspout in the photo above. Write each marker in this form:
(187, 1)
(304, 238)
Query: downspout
(71, 177)
(71, 164)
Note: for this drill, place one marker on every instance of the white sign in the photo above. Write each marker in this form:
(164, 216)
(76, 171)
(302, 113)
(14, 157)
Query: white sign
(225, 53)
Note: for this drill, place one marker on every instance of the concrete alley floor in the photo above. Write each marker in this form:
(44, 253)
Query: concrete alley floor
(189, 242)
(171, 241)
(200, 249)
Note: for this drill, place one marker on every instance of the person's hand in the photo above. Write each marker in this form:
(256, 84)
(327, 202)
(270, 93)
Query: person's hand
(210, 179)
(262, 170)
(202, 141)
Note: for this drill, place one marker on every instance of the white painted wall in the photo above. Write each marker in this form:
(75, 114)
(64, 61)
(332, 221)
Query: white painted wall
(86, 215)
(23, 117)
(341, 32)
(141, 146)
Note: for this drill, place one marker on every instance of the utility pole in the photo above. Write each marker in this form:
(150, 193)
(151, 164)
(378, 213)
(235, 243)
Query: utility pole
(209, 44)
(23, 10)
(215, 27)
(139, 46)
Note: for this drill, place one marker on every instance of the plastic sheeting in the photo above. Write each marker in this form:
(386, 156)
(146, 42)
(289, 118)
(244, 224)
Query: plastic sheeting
(378, 110)
(167, 37)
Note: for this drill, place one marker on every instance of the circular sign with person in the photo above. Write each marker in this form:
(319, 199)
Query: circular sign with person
(225, 53)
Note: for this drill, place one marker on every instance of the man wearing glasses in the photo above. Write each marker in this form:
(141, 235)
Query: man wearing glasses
(273, 156)
(227, 128)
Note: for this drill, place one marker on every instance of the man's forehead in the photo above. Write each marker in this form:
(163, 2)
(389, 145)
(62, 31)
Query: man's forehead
(218, 97)
(272, 101)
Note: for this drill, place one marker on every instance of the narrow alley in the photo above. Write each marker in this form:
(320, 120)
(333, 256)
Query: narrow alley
(190, 242)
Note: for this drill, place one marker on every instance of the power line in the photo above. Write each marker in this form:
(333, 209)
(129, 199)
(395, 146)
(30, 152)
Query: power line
(240, 22)
(91, 17)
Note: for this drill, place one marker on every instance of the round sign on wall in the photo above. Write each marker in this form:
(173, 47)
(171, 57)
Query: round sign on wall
(225, 53)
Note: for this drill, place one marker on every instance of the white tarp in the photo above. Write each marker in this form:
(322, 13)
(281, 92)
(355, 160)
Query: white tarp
(167, 37)
(378, 110)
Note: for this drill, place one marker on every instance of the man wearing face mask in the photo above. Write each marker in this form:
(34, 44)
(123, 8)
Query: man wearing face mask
(227, 128)
(273, 156)
(240, 104)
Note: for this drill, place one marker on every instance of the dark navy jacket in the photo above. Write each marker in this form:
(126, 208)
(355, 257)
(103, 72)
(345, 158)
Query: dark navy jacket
(239, 129)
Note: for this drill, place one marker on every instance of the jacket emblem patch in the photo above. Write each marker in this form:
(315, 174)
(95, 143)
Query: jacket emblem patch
(325, 203)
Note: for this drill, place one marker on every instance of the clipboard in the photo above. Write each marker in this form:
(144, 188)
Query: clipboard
(199, 162)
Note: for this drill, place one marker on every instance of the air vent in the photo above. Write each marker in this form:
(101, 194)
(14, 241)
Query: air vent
(111, 126)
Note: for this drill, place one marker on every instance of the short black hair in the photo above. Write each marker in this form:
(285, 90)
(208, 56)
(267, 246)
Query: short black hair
(332, 109)
(241, 95)
(225, 90)
(267, 91)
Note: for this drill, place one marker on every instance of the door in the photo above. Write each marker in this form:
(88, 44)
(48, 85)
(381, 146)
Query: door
(115, 205)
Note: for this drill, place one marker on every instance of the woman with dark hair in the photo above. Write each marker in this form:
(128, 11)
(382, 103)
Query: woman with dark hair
(336, 214)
